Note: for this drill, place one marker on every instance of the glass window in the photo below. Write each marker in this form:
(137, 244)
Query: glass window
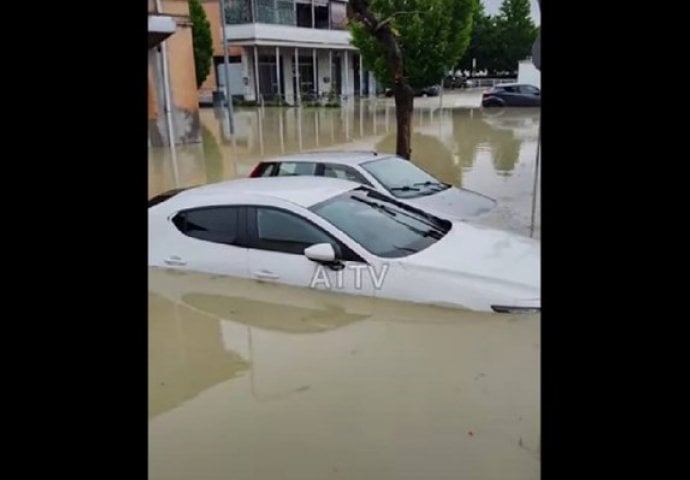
(286, 169)
(382, 225)
(286, 12)
(402, 178)
(212, 224)
(338, 15)
(285, 232)
(344, 172)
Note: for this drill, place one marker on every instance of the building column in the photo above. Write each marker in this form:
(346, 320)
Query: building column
(278, 69)
(298, 99)
(315, 64)
(372, 84)
(257, 94)
(346, 72)
(361, 76)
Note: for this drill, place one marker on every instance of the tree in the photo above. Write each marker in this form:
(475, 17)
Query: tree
(201, 40)
(516, 34)
(410, 44)
(482, 43)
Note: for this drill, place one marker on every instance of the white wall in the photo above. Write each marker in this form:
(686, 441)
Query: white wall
(347, 74)
(289, 35)
(528, 73)
(324, 70)
(286, 56)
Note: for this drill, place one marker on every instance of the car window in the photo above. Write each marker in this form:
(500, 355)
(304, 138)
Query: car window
(529, 89)
(402, 178)
(212, 224)
(286, 169)
(380, 224)
(511, 89)
(344, 172)
(286, 232)
(266, 169)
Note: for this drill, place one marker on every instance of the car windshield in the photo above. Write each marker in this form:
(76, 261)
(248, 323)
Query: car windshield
(382, 225)
(402, 178)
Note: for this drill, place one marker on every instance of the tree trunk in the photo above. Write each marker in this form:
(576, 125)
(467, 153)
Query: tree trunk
(404, 95)
(404, 98)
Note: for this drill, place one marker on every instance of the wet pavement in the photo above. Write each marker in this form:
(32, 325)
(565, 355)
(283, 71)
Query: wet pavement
(261, 381)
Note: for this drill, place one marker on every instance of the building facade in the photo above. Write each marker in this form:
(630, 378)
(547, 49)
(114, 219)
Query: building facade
(289, 49)
(170, 29)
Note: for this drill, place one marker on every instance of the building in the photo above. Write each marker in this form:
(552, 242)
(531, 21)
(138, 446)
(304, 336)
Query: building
(170, 35)
(528, 73)
(289, 49)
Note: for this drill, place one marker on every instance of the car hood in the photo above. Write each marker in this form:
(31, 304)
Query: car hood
(454, 203)
(494, 257)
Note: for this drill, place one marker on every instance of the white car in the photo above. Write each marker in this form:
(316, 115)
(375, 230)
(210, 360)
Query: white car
(344, 237)
(386, 173)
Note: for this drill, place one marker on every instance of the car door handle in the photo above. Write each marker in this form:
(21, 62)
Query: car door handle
(175, 261)
(266, 275)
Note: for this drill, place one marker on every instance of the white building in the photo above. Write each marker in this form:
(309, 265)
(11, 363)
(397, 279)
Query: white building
(528, 73)
(292, 48)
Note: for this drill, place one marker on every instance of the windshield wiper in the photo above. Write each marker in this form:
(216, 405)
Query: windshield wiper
(405, 188)
(429, 183)
(433, 232)
(407, 248)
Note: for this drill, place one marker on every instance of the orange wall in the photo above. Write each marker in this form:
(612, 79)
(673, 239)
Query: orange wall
(153, 100)
(212, 9)
(181, 58)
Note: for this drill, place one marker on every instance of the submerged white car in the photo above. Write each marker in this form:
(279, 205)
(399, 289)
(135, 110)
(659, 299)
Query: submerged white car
(386, 173)
(344, 237)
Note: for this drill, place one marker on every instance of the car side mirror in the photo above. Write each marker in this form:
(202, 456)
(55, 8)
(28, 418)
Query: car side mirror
(325, 254)
(320, 252)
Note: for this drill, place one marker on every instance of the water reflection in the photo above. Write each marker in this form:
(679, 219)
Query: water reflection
(490, 151)
(252, 381)
(186, 355)
(430, 153)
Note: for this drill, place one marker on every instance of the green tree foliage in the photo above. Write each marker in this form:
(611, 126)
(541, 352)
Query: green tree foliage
(498, 43)
(516, 33)
(201, 40)
(432, 35)
(483, 42)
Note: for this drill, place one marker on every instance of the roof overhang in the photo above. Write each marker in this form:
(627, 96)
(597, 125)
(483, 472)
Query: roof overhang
(160, 28)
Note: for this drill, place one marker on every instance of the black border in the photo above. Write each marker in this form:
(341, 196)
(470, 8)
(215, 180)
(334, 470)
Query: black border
(79, 142)
(80, 80)
(602, 214)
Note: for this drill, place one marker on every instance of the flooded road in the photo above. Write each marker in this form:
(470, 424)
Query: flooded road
(490, 151)
(251, 381)
(263, 381)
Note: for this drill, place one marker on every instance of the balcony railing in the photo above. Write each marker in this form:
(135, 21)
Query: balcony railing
(240, 11)
(282, 12)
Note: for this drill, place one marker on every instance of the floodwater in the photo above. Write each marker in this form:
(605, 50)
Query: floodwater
(258, 381)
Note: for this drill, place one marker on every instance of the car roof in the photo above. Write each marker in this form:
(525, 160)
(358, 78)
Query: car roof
(513, 85)
(344, 157)
(300, 190)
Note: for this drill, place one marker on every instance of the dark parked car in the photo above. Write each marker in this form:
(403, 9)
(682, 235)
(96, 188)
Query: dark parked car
(454, 81)
(431, 91)
(512, 95)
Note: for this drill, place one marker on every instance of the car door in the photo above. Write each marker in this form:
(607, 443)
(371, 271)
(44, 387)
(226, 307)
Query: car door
(277, 239)
(512, 96)
(531, 95)
(208, 239)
